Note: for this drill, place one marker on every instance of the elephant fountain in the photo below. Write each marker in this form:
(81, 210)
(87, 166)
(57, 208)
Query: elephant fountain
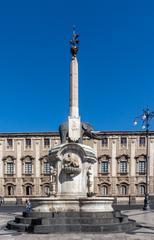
(86, 130)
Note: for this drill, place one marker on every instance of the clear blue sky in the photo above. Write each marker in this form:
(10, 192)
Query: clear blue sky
(116, 62)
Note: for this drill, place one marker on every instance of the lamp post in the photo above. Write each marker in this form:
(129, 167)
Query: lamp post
(146, 117)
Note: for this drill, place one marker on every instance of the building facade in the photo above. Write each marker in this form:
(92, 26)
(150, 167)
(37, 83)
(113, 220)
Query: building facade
(121, 164)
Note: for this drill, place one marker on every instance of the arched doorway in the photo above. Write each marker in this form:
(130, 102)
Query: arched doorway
(10, 190)
(104, 190)
(28, 190)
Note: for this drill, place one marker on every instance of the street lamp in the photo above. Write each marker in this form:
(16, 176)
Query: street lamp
(146, 117)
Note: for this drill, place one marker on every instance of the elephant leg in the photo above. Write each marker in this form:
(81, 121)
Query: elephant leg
(64, 136)
(80, 140)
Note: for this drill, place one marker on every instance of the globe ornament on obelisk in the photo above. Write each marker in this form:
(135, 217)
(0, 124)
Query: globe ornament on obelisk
(74, 123)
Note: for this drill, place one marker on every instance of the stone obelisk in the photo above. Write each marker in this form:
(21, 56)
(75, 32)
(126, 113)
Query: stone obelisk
(74, 123)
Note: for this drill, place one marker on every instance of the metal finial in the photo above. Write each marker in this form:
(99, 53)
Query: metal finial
(73, 29)
(74, 42)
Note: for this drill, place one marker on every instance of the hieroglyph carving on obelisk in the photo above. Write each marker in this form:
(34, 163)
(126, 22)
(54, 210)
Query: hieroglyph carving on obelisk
(74, 123)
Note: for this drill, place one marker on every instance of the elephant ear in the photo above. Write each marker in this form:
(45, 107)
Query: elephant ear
(86, 126)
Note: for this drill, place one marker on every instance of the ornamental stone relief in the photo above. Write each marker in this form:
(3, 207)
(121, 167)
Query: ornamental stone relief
(45, 179)
(140, 179)
(104, 179)
(104, 157)
(11, 180)
(123, 179)
(141, 157)
(28, 179)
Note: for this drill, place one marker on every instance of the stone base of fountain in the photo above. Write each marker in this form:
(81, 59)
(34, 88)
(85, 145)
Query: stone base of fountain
(72, 215)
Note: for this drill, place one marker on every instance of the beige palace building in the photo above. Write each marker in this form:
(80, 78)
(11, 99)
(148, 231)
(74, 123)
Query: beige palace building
(25, 171)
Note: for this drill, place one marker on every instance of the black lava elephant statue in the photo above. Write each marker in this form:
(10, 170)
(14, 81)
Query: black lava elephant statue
(86, 130)
(63, 131)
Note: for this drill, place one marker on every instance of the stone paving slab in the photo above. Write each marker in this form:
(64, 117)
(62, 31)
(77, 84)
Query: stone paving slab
(143, 233)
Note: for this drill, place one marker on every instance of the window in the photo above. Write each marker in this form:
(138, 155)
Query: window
(104, 142)
(104, 164)
(45, 165)
(142, 141)
(28, 168)
(46, 169)
(10, 190)
(141, 189)
(123, 164)
(123, 141)
(141, 164)
(10, 168)
(46, 190)
(9, 163)
(27, 165)
(28, 143)
(46, 142)
(123, 167)
(9, 143)
(28, 190)
(104, 190)
(142, 167)
(123, 190)
(104, 167)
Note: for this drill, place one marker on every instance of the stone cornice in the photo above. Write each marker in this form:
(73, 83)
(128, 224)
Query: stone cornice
(126, 156)
(56, 134)
(44, 157)
(28, 134)
(140, 156)
(27, 156)
(104, 157)
(123, 133)
(8, 156)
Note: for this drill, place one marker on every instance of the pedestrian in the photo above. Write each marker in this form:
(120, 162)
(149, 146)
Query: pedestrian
(28, 206)
(129, 200)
